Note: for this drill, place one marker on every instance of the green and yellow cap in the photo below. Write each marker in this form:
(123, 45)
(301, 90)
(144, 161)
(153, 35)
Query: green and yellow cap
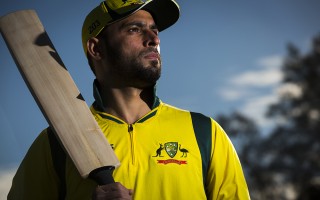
(164, 12)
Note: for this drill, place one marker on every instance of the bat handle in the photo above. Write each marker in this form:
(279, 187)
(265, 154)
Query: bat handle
(102, 175)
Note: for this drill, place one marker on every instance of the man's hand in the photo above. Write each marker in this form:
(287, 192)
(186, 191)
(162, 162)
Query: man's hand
(112, 191)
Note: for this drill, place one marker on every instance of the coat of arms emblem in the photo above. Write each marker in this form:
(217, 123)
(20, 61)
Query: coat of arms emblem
(171, 148)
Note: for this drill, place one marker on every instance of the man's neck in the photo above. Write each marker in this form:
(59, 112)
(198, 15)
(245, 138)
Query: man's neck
(129, 104)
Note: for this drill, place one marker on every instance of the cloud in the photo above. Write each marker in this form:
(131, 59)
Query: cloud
(5, 181)
(232, 94)
(256, 108)
(268, 76)
(290, 89)
(256, 89)
(261, 78)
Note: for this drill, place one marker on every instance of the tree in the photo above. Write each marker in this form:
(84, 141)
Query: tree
(301, 113)
(286, 162)
(241, 129)
(294, 145)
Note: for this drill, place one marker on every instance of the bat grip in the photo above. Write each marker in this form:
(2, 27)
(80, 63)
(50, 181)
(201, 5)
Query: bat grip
(102, 175)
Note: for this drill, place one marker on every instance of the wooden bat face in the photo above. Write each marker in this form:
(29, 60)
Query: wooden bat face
(56, 93)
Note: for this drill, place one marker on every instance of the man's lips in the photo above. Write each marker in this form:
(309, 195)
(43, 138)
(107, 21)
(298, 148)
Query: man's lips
(152, 55)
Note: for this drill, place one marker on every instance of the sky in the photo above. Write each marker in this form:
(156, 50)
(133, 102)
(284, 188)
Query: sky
(220, 56)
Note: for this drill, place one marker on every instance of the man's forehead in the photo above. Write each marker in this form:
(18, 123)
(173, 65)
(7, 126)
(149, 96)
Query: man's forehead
(141, 16)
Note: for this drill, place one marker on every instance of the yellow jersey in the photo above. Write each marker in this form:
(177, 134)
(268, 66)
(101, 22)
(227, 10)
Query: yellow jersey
(161, 159)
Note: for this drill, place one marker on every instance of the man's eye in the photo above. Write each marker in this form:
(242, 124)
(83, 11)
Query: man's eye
(135, 29)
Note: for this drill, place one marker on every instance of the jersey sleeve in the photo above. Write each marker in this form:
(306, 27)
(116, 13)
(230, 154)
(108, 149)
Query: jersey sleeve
(36, 177)
(225, 178)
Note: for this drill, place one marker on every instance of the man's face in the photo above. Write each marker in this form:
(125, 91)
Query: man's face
(130, 50)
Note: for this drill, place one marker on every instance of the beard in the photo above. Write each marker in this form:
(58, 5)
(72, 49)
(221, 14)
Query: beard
(132, 69)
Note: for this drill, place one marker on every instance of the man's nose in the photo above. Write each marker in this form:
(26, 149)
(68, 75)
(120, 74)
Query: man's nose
(151, 38)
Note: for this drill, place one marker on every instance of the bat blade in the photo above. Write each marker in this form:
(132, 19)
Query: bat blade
(56, 93)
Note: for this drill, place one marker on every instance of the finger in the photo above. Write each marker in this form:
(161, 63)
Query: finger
(112, 191)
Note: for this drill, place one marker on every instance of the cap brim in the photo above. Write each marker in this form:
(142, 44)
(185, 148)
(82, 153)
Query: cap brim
(164, 12)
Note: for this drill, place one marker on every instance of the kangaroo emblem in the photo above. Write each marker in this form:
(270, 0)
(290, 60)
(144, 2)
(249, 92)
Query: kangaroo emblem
(158, 152)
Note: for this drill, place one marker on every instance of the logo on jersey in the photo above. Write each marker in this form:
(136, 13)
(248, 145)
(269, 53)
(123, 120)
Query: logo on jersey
(173, 149)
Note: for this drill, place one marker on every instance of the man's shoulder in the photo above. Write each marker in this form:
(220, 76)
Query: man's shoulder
(196, 117)
(172, 108)
(166, 106)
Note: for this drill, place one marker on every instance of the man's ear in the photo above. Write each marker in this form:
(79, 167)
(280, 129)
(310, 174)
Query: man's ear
(93, 48)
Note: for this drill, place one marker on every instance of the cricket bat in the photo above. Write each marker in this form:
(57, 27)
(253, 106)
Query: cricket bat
(58, 96)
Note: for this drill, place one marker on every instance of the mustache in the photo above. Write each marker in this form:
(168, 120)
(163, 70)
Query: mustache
(149, 50)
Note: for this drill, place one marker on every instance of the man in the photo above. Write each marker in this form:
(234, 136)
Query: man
(165, 152)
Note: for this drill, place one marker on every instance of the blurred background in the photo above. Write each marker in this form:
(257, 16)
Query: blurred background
(252, 66)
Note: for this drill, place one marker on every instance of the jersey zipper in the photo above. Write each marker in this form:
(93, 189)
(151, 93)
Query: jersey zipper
(130, 130)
